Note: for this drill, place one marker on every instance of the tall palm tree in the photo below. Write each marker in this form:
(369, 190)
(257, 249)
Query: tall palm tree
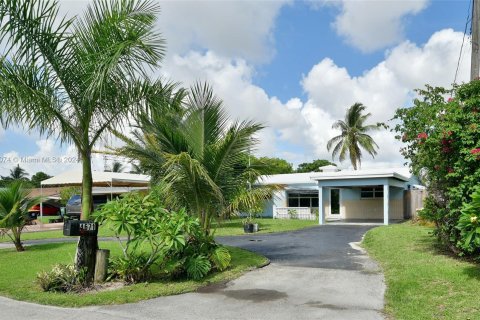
(17, 173)
(76, 79)
(14, 205)
(354, 136)
(199, 161)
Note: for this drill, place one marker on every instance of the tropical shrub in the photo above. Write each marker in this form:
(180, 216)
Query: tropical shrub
(62, 278)
(197, 267)
(14, 205)
(129, 269)
(171, 240)
(442, 142)
(199, 155)
(469, 224)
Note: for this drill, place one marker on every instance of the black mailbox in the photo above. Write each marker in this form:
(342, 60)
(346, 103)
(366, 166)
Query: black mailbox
(80, 228)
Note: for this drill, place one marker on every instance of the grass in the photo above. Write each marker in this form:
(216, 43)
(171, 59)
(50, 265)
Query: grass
(224, 228)
(19, 269)
(235, 226)
(423, 282)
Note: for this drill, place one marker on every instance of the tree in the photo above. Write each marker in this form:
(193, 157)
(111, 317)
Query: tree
(17, 173)
(442, 143)
(313, 166)
(116, 167)
(200, 160)
(77, 79)
(354, 136)
(270, 166)
(14, 205)
(67, 192)
(39, 177)
(136, 168)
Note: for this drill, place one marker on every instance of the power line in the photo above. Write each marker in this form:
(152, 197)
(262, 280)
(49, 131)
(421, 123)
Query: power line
(469, 19)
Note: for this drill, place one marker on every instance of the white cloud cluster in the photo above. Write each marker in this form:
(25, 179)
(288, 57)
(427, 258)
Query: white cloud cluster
(231, 80)
(241, 29)
(383, 89)
(330, 89)
(372, 25)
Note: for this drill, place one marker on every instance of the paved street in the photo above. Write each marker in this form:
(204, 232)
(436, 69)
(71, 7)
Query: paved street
(316, 273)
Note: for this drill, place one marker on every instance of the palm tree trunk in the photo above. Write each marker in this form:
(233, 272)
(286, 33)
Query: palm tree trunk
(16, 240)
(87, 245)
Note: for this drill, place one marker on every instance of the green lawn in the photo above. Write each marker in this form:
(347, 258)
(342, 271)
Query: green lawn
(18, 272)
(235, 226)
(422, 281)
(224, 228)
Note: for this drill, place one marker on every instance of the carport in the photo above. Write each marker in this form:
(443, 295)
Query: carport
(363, 188)
(99, 179)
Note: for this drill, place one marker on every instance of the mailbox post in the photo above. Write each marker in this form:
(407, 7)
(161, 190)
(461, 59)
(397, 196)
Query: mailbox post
(80, 228)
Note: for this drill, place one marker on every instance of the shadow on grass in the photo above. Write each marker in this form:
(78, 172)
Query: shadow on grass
(48, 246)
(434, 246)
(472, 271)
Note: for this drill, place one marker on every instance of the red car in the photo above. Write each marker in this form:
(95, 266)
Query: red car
(48, 210)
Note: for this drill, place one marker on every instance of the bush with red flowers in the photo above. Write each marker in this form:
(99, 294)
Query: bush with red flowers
(442, 142)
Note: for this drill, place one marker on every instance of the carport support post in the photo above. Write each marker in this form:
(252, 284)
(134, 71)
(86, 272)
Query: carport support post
(321, 214)
(386, 198)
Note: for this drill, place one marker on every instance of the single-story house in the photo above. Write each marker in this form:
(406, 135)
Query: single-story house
(108, 183)
(333, 194)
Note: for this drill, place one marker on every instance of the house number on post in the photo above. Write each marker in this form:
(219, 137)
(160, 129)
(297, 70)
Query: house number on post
(80, 228)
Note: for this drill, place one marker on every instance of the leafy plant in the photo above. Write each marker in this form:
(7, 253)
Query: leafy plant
(14, 205)
(292, 213)
(469, 224)
(441, 140)
(197, 267)
(220, 257)
(172, 240)
(193, 149)
(129, 269)
(62, 278)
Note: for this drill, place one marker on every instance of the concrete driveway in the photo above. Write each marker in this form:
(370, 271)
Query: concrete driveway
(315, 274)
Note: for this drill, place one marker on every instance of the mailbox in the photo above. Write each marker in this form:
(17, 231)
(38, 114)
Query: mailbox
(80, 228)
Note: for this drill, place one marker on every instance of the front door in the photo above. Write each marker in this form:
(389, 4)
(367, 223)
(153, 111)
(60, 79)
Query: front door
(335, 211)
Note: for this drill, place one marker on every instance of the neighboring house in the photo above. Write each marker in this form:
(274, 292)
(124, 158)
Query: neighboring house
(362, 195)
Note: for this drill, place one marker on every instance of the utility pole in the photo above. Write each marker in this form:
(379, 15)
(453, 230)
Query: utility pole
(475, 61)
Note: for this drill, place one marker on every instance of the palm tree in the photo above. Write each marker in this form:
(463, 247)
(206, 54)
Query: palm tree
(17, 173)
(353, 137)
(136, 168)
(199, 161)
(14, 205)
(117, 167)
(76, 79)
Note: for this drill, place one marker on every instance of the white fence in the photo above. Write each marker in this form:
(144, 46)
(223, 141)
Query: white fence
(300, 213)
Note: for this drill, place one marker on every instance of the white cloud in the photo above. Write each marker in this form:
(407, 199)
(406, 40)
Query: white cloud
(383, 89)
(330, 91)
(241, 29)
(372, 25)
(231, 80)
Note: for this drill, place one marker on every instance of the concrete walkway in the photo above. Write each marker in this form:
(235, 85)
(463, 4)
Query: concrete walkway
(316, 273)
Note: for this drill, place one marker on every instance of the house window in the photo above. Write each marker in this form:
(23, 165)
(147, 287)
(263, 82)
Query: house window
(371, 193)
(308, 200)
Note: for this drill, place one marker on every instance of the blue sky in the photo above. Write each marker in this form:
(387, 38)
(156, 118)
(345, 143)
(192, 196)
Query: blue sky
(304, 36)
(296, 66)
